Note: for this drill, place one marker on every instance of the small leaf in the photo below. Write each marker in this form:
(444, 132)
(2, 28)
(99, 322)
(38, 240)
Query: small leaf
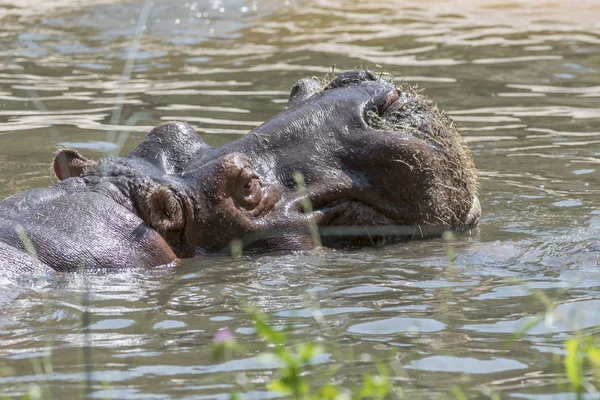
(308, 351)
(458, 393)
(368, 389)
(593, 354)
(279, 387)
(375, 386)
(573, 363)
(266, 332)
(292, 378)
(328, 392)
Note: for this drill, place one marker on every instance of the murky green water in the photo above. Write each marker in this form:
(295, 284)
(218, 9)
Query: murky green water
(520, 77)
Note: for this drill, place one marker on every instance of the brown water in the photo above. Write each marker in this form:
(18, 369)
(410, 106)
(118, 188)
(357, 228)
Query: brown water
(521, 78)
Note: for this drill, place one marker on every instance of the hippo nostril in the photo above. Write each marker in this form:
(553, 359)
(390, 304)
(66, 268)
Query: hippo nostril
(379, 104)
(383, 102)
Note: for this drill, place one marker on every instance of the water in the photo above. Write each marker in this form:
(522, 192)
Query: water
(520, 77)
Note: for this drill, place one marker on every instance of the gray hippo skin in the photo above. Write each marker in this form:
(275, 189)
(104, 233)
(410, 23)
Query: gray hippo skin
(360, 161)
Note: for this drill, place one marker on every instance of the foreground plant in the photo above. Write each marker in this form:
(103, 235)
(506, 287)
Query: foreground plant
(583, 353)
(291, 379)
(582, 360)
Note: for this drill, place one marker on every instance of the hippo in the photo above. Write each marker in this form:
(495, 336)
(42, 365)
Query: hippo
(354, 161)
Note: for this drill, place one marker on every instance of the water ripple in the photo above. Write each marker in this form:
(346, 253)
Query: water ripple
(520, 79)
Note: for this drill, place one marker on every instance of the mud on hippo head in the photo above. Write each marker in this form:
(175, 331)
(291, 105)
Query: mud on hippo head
(360, 160)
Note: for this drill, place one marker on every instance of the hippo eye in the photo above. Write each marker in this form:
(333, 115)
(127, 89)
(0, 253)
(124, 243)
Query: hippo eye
(248, 189)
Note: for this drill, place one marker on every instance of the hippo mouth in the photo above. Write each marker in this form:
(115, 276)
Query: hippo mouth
(349, 222)
(353, 223)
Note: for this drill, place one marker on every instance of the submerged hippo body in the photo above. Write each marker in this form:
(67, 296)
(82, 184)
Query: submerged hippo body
(357, 162)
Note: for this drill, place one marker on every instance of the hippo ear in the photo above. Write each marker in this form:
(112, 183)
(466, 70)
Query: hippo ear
(69, 163)
(165, 211)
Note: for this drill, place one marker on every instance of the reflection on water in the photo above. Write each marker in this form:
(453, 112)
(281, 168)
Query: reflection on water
(521, 78)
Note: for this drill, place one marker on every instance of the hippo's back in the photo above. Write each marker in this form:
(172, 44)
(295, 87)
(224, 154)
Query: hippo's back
(15, 206)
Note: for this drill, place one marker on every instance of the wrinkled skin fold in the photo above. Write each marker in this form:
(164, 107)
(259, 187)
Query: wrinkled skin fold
(358, 161)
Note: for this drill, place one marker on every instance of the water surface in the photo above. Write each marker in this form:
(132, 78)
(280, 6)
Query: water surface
(520, 78)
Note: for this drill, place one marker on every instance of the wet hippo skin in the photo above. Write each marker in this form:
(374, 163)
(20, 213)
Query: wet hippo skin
(353, 162)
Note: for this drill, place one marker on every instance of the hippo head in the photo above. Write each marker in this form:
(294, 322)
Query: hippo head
(356, 161)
